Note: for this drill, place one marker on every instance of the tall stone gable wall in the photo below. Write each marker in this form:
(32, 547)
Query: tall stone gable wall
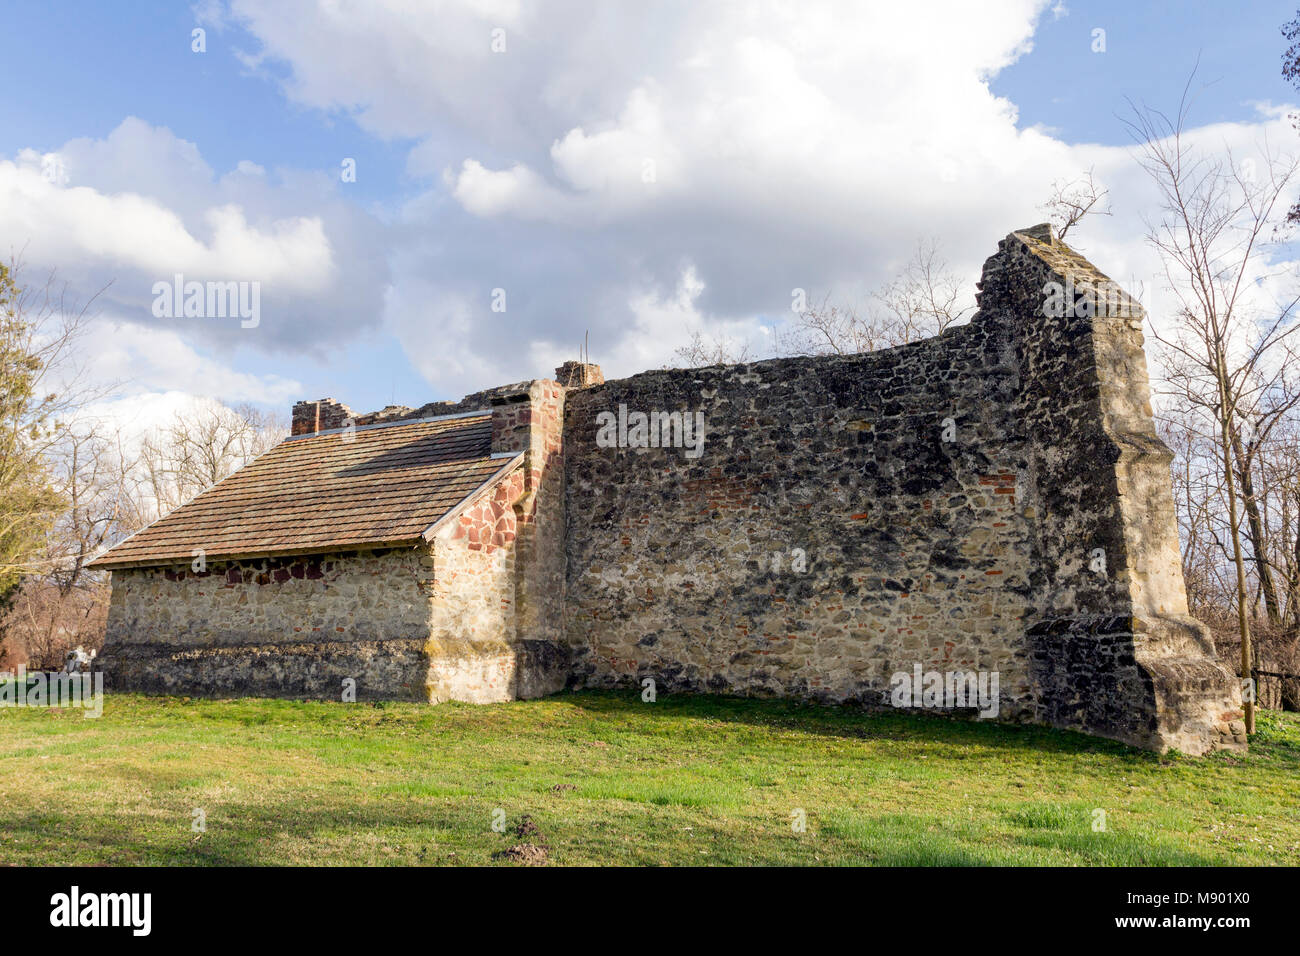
(831, 535)
(1114, 651)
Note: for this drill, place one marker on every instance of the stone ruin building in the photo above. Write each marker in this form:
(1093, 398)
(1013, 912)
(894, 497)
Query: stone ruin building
(992, 499)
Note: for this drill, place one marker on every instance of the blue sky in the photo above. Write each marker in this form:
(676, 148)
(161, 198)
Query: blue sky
(1151, 48)
(477, 173)
(117, 60)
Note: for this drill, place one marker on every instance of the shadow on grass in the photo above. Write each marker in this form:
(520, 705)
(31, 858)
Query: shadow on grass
(1040, 834)
(242, 834)
(1277, 741)
(251, 835)
(855, 722)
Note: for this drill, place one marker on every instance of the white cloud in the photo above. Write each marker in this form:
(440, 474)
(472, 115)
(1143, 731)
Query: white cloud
(518, 190)
(140, 377)
(141, 206)
(148, 360)
(765, 146)
(632, 171)
(129, 231)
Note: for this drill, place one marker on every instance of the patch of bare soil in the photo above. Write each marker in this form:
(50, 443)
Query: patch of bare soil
(526, 828)
(525, 854)
(531, 852)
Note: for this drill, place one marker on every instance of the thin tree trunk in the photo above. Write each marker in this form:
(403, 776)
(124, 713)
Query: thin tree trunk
(1255, 531)
(1243, 619)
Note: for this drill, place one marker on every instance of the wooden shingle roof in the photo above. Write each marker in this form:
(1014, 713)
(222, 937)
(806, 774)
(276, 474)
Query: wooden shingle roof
(383, 485)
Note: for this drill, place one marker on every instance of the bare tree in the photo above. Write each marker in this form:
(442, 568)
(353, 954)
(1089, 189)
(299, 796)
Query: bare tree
(199, 447)
(927, 297)
(65, 604)
(42, 388)
(1198, 491)
(826, 329)
(1072, 200)
(1223, 355)
(108, 492)
(1280, 477)
(923, 300)
(712, 350)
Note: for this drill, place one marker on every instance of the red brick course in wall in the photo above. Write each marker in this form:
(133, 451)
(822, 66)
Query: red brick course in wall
(491, 523)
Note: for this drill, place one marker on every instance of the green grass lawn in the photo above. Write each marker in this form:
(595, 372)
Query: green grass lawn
(604, 778)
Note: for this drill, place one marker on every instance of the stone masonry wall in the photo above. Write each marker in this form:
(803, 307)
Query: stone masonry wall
(827, 537)
(276, 627)
(942, 504)
(472, 651)
(1114, 648)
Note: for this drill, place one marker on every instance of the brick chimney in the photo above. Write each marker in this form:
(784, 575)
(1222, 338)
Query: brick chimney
(579, 375)
(529, 418)
(319, 415)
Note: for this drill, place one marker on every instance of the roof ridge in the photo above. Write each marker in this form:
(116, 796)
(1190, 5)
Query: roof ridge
(477, 413)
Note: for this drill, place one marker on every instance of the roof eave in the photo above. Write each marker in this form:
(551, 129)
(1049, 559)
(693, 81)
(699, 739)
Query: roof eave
(319, 549)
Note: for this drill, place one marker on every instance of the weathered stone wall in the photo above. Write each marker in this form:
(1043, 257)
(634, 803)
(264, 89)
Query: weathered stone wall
(531, 421)
(949, 499)
(1114, 649)
(274, 626)
(435, 622)
(476, 651)
(827, 536)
